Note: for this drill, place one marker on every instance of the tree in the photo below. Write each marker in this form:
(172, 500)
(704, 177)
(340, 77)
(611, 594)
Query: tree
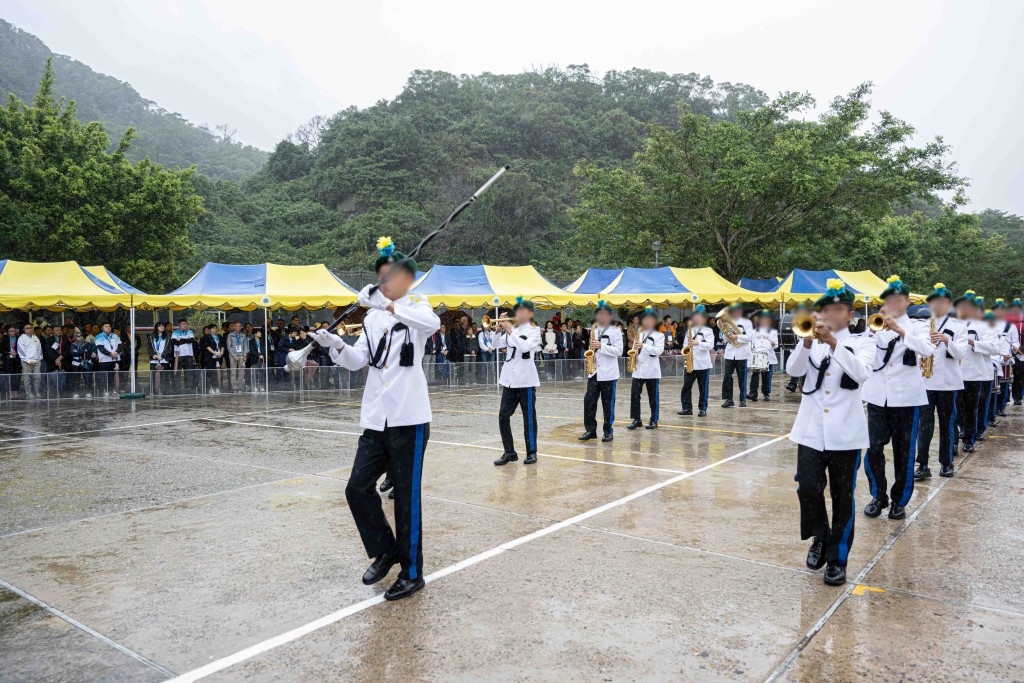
(745, 195)
(63, 196)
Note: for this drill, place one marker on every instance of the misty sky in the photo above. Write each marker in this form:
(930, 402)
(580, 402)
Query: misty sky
(265, 67)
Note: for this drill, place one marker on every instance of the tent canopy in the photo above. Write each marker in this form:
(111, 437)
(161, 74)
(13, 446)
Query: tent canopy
(248, 287)
(594, 280)
(56, 286)
(806, 286)
(109, 278)
(669, 286)
(766, 285)
(487, 286)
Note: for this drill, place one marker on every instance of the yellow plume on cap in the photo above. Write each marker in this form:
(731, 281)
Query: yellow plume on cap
(893, 278)
(834, 283)
(383, 242)
(939, 285)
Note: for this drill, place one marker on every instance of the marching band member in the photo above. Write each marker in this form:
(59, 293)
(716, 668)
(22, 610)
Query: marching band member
(894, 394)
(986, 413)
(648, 370)
(830, 429)
(519, 380)
(764, 338)
(1015, 316)
(1000, 359)
(701, 339)
(950, 339)
(1011, 335)
(977, 366)
(736, 357)
(395, 418)
(791, 385)
(606, 343)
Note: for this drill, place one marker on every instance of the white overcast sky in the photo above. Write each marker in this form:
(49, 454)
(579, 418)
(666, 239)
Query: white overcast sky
(951, 68)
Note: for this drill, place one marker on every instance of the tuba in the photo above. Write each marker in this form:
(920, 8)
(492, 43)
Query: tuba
(928, 362)
(727, 327)
(687, 349)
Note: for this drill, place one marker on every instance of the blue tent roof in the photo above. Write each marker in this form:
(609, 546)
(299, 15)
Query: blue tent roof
(648, 281)
(594, 280)
(766, 285)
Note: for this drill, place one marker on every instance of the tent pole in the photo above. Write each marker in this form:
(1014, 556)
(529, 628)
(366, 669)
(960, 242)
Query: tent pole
(266, 353)
(131, 340)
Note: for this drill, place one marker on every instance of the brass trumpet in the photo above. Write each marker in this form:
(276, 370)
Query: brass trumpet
(877, 322)
(804, 324)
(487, 321)
(345, 330)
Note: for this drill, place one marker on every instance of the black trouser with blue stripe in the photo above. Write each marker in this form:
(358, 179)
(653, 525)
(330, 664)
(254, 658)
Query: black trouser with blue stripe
(944, 403)
(740, 368)
(972, 420)
(837, 469)
(986, 413)
(764, 378)
(606, 390)
(397, 451)
(653, 397)
(525, 398)
(901, 426)
(686, 395)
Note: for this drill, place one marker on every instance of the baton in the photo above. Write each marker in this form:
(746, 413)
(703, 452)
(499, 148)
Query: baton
(426, 240)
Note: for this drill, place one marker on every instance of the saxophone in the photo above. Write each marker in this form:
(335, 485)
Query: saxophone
(589, 359)
(928, 362)
(631, 355)
(687, 349)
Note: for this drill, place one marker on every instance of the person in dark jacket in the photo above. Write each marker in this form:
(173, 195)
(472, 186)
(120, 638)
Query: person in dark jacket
(211, 358)
(257, 360)
(10, 381)
(79, 367)
(161, 354)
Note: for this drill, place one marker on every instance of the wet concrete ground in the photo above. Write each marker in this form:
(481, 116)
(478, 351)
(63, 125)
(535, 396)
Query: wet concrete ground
(139, 541)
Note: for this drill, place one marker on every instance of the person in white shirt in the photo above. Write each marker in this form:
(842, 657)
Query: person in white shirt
(831, 429)
(1008, 332)
(976, 370)
(486, 341)
(1015, 316)
(606, 343)
(519, 381)
(986, 410)
(30, 352)
(183, 341)
(108, 357)
(650, 345)
(895, 394)
(1000, 360)
(737, 354)
(764, 339)
(701, 339)
(395, 418)
(950, 339)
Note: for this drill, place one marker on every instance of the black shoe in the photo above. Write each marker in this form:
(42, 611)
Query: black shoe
(587, 436)
(752, 397)
(875, 507)
(403, 588)
(634, 424)
(702, 413)
(835, 574)
(969, 448)
(922, 472)
(727, 403)
(391, 494)
(380, 568)
(606, 438)
(897, 512)
(816, 554)
(1001, 413)
(506, 458)
(766, 398)
(385, 485)
(531, 458)
(743, 404)
(1017, 403)
(791, 388)
(651, 425)
(947, 471)
(980, 437)
(685, 412)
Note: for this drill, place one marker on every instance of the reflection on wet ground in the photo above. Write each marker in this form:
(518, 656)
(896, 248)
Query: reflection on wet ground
(140, 539)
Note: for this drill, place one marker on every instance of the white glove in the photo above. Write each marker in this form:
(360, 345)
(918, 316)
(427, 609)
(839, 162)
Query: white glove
(328, 340)
(375, 300)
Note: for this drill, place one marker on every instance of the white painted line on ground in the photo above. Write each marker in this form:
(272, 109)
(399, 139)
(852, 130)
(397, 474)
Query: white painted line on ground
(79, 625)
(334, 617)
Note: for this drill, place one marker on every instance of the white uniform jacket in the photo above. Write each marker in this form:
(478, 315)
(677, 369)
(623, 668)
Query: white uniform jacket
(946, 371)
(766, 339)
(831, 415)
(741, 352)
(609, 353)
(395, 395)
(520, 367)
(896, 376)
(648, 356)
(977, 365)
(705, 338)
(1009, 333)
(1002, 348)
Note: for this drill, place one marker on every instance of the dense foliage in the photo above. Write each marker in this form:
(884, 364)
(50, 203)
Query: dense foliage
(163, 136)
(63, 196)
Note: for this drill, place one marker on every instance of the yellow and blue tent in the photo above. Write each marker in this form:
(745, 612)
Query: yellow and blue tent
(484, 286)
(766, 285)
(56, 286)
(261, 285)
(594, 280)
(668, 286)
(109, 278)
(806, 286)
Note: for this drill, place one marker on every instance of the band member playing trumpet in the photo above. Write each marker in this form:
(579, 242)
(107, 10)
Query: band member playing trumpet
(650, 345)
(700, 339)
(518, 380)
(606, 345)
(737, 354)
(764, 339)
(395, 418)
(946, 379)
(830, 428)
(895, 394)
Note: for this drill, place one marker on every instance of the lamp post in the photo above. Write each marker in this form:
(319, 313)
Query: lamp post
(657, 248)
